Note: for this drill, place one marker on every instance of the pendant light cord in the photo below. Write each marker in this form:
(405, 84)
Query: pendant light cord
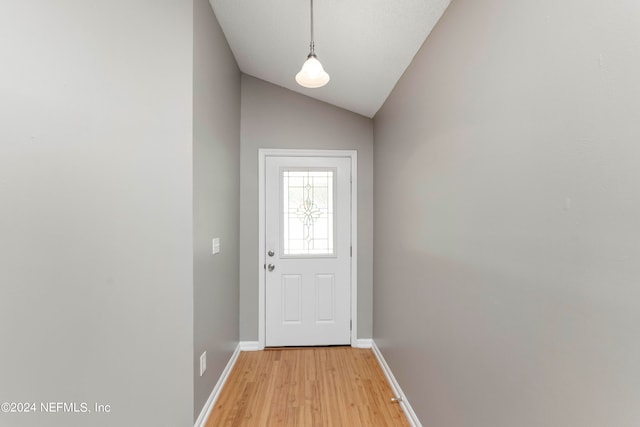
(312, 45)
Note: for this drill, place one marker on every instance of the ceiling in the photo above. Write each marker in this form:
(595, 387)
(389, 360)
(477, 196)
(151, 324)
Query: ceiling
(364, 45)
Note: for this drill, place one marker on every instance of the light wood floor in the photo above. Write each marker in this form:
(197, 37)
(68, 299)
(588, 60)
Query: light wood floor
(324, 386)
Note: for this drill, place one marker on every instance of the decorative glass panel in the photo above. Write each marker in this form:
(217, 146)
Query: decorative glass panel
(308, 212)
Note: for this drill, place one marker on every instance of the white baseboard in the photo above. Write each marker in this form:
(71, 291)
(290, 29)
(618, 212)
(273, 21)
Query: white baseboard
(364, 343)
(250, 346)
(208, 407)
(397, 391)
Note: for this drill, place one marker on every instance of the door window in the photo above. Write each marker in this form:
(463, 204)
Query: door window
(308, 212)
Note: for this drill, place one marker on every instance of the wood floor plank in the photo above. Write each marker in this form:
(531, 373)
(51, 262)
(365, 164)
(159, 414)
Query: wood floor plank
(315, 387)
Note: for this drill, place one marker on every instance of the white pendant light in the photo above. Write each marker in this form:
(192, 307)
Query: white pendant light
(312, 75)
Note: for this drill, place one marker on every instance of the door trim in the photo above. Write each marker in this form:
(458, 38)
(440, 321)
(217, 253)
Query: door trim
(263, 153)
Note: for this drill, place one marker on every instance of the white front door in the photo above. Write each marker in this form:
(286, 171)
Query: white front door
(307, 251)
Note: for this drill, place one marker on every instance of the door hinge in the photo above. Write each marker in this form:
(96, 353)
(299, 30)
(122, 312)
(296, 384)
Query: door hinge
(350, 325)
(350, 251)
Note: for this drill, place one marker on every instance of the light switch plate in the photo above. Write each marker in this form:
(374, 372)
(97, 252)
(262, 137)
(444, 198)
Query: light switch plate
(216, 245)
(203, 363)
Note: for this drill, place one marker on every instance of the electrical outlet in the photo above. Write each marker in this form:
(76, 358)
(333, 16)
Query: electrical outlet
(216, 245)
(203, 363)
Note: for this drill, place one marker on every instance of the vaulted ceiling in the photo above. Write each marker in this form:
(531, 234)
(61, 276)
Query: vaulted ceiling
(365, 45)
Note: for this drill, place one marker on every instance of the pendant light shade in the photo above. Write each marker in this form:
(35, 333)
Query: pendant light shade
(312, 75)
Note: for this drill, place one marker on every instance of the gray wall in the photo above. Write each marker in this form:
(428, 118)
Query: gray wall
(96, 252)
(216, 182)
(273, 117)
(507, 198)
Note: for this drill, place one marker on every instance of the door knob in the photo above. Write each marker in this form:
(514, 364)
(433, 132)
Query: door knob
(271, 267)
(271, 253)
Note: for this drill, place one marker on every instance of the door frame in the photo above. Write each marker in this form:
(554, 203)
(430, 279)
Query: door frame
(263, 153)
